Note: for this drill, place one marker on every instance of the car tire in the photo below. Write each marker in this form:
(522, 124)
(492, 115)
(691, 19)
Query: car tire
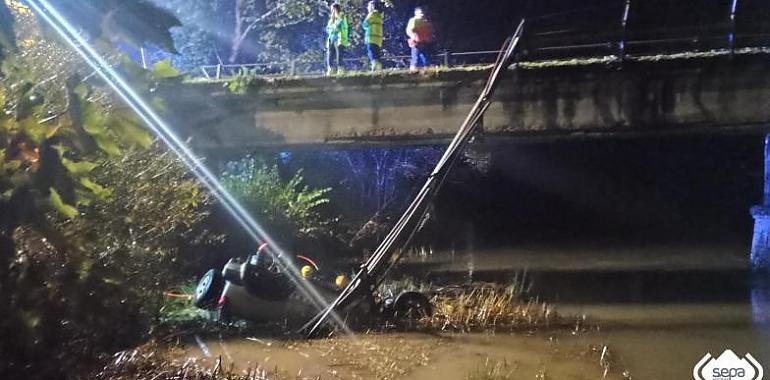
(411, 306)
(208, 290)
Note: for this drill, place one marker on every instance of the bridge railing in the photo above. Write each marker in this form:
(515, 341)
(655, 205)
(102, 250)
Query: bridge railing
(316, 67)
(619, 29)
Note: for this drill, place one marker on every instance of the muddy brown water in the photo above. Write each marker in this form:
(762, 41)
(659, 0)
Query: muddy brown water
(416, 356)
(656, 319)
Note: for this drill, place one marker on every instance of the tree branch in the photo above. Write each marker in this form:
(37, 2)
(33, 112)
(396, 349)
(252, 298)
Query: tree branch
(240, 35)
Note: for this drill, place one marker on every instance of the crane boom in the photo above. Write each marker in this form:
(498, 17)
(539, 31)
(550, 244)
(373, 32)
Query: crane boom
(372, 272)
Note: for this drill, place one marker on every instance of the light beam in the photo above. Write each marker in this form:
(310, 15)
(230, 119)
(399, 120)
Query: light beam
(165, 133)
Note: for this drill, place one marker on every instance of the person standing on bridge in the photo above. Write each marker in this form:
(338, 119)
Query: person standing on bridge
(336, 41)
(420, 32)
(373, 35)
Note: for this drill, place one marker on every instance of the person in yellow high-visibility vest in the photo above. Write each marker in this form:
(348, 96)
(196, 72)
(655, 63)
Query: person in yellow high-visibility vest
(373, 35)
(336, 40)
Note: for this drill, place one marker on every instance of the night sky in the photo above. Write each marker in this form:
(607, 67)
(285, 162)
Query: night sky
(484, 24)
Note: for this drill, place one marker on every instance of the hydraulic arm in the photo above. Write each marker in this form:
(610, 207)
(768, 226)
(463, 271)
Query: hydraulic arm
(373, 271)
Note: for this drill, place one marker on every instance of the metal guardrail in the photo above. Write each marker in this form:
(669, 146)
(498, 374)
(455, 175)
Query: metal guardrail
(316, 67)
(619, 30)
(449, 59)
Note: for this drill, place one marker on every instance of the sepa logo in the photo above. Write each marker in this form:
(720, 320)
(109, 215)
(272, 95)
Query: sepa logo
(728, 366)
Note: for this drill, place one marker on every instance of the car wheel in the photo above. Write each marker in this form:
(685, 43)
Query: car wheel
(411, 306)
(208, 290)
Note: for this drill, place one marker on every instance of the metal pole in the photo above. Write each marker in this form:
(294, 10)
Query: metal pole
(731, 36)
(219, 71)
(447, 54)
(623, 27)
(292, 67)
(372, 272)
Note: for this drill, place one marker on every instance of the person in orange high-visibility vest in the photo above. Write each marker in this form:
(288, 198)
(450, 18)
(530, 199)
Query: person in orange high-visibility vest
(420, 32)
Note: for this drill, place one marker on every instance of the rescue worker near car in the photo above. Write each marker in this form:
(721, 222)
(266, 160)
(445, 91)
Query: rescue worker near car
(373, 35)
(420, 32)
(336, 41)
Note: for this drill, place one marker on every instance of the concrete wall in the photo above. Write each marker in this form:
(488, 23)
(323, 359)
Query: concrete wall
(711, 94)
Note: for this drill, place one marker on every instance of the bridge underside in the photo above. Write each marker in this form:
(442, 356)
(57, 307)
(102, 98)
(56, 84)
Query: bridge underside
(672, 96)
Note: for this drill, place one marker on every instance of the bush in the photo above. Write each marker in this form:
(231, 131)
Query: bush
(155, 214)
(288, 208)
(73, 289)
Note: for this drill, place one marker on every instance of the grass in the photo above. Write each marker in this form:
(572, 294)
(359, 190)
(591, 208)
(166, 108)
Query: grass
(485, 307)
(178, 317)
(351, 74)
(607, 360)
(149, 362)
(490, 308)
(178, 308)
(491, 370)
(242, 84)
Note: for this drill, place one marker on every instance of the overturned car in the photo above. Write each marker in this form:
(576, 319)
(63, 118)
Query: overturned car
(258, 289)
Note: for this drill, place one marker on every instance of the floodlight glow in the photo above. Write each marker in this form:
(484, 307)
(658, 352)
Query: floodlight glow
(165, 133)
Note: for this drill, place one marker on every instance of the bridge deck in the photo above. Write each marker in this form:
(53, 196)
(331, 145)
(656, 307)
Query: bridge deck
(681, 93)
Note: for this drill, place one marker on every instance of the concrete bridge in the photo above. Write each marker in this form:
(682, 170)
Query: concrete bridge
(704, 94)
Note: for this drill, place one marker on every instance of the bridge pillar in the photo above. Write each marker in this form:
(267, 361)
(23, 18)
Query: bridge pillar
(760, 246)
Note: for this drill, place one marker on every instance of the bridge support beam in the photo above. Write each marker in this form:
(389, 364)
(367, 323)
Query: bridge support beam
(760, 246)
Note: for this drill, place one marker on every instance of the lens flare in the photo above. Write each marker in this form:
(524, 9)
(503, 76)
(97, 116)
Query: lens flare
(165, 133)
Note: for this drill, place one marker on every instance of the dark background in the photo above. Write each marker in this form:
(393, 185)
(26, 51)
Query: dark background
(673, 189)
(620, 192)
(464, 25)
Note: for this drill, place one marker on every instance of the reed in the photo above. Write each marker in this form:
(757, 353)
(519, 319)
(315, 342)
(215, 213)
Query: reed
(491, 370)
(491, 308)
(150, 363)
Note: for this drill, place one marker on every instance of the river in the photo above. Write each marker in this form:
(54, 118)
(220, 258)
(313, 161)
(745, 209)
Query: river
(657, 317)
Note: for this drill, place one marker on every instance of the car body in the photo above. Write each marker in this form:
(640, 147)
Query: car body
(257, 290)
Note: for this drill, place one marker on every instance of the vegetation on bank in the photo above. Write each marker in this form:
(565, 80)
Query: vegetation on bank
(491, 309)
(151, 362)
(289, 207)
(95, 219)
(84, 240)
